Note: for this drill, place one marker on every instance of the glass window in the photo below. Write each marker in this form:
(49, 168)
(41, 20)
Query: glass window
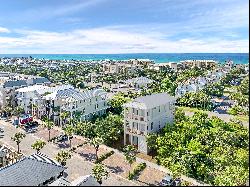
(152, 125)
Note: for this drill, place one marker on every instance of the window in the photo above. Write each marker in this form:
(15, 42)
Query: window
(96, 99)
(137, 112)
(159, 109)
(152, 125)
(147, 113)
(97, 106)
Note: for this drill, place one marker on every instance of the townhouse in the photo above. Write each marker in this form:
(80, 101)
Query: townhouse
(197, 84)
(30, 96)
(83, 105)
(145, 115)
(10, 82)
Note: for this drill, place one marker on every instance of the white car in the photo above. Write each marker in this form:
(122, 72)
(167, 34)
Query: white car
(166, 181)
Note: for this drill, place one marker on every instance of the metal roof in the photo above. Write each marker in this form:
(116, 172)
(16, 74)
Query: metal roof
(15, 83)
(30, 171)
(151, 101)
(76, 95)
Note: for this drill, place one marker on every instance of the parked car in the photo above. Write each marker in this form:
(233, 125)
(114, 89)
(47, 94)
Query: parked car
(166, 181)
(62, 138)
(31, 130)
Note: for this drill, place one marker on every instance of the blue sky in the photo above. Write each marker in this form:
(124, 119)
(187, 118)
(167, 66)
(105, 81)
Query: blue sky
(117, 26)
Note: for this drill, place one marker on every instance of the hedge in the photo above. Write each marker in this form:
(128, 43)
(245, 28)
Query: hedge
(104, 156)
(140, 167)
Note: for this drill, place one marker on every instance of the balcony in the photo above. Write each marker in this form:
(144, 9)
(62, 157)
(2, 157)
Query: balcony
(135, 117)
(135, 131)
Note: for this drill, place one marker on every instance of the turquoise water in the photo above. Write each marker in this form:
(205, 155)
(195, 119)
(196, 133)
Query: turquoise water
(238, 58)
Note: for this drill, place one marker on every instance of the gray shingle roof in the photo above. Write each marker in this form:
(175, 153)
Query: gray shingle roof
(15, 83)
(40, 80)
(151, 101)
(60, 182)
(87, 180)
(29, 171)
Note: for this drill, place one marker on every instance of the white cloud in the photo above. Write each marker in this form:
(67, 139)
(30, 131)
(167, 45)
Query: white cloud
(110, 40)
(4, 30)
(48, 12)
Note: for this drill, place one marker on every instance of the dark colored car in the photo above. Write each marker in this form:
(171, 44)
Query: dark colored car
(62, 138)
(30, 125)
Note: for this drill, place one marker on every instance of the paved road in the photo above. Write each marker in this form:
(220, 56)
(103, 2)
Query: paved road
(77, 166)
(225, 117)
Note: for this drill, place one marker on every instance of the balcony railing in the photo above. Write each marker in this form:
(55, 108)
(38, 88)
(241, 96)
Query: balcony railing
(135, 131)
(136, 117)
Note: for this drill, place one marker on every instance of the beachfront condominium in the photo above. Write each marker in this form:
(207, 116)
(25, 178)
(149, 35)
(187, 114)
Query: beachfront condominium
(199, 63)
(145, 115)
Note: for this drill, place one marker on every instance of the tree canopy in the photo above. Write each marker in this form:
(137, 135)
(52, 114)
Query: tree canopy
(207, 149)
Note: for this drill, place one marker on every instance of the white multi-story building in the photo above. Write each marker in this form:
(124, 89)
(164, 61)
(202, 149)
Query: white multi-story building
(34, 95)
(65, 98)
(191, 85)
(199, 63)
(145, 115)
(9, 83)
(199, 83)
(84, 104)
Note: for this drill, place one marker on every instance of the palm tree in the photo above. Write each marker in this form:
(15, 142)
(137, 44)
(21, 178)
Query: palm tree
(99, 173)
(38, 145)
(96, 142)
(69, 130)
(48, 124)
(64, 115)
(34, 107)
(18, 138)
(130, 154)
(62, 157)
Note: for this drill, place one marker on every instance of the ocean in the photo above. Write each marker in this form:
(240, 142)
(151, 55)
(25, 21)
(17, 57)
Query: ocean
(238, 58)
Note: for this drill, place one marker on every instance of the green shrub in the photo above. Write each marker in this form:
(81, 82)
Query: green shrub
(140, 167)
(104, 156)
